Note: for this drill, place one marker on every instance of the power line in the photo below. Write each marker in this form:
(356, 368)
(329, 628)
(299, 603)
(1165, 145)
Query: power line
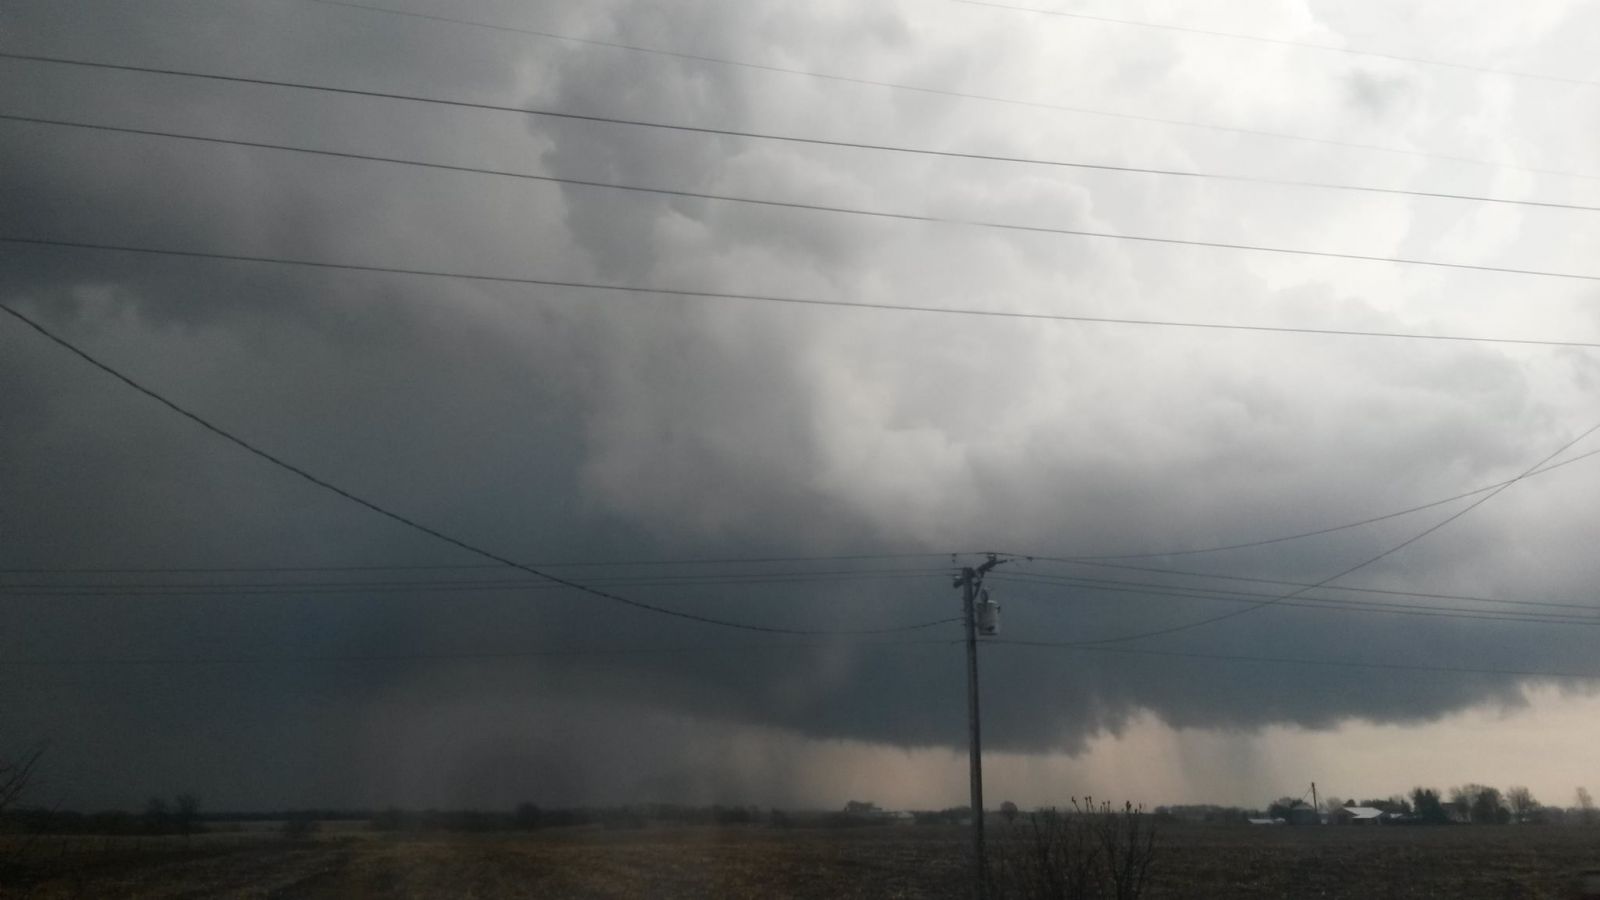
(1054, 578)
(622, 563)
(144, 588)
(1329, 604)
(1315, 533)
(1037, 229)
(301, 659)
(648, 124)
(187, 589)
(1396, 548)
(1282, 42)
(784, 204)
(943, 92)
(1288, 660)
(653, 578)
(910, 217)
(276, 588)
(1306, 584)
(884, 214)
(1096, 559)
(418, 526)
(773, 298)
(193, 590)
(177, 661)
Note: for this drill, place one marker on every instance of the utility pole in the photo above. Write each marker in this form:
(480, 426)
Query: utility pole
(969, 580)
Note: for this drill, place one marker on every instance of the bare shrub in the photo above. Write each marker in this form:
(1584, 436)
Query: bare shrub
(15, 775)
(1088, 851)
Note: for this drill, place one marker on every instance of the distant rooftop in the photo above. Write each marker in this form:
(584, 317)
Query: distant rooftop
(1361, 812)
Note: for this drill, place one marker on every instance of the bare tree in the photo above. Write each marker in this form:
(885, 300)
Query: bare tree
(1586, 812)
(157, 815)
(1521, 803)
(1483, 805)
(186, 814)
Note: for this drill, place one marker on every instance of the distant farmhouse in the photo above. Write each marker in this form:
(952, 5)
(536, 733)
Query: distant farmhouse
(860, 811)
(1357, 815)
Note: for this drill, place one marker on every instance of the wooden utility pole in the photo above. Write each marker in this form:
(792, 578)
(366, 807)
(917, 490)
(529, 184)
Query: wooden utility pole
(969, 589)
(968, 581)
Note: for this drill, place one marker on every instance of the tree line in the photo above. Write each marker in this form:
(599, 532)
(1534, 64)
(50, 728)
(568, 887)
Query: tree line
(1467, 804)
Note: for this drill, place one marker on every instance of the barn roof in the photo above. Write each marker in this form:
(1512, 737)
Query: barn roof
(1362, 812)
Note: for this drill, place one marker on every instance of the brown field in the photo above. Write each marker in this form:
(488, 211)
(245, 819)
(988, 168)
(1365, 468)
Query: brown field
(907, 861)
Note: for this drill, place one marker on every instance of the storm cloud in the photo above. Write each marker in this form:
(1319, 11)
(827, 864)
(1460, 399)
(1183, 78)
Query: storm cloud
(561, 426)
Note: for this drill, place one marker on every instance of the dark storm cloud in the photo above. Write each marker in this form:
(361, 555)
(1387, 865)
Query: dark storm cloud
(555, 425)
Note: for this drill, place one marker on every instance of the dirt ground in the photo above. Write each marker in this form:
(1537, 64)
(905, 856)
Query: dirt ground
(907, 861)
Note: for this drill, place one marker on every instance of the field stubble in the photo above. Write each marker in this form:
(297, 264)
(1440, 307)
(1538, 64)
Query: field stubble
(669, 863)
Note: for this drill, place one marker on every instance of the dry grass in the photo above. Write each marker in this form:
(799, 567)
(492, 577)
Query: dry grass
(1376, 862)
(907, 861)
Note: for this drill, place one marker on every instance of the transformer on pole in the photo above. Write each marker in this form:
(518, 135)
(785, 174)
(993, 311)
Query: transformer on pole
(980, 616)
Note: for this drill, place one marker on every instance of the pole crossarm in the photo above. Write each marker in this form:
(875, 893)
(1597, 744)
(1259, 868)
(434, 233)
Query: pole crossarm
(968, 580)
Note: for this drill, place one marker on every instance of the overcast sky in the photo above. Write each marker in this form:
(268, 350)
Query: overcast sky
(854, 449)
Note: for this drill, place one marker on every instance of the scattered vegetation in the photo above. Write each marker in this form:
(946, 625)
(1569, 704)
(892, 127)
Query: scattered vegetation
(15, 776)
(300, 826)
(1088, 851)
(1468, 804)
(805, 862)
